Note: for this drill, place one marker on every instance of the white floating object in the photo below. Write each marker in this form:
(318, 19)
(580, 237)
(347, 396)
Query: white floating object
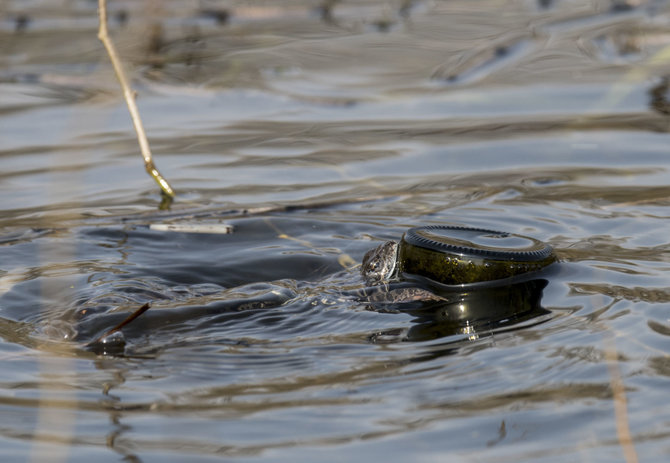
(216, 228)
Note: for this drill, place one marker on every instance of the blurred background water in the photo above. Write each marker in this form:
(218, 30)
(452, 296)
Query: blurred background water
(318, 129)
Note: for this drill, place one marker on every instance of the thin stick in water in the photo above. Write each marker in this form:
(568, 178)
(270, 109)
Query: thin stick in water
(129, 96)
(118, 327)
(620, 404)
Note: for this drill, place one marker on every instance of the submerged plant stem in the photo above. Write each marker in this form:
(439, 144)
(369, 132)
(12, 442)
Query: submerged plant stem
(129, 96)
(620, 404)
(118, 327)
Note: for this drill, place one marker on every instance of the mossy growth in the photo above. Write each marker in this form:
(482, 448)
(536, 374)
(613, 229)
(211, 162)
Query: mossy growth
(455, 269)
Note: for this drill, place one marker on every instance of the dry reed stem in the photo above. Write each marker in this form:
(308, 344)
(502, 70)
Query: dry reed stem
(620, 404)
(129, 96)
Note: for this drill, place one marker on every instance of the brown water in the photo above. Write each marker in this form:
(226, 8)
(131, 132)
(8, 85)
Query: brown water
(349, 124)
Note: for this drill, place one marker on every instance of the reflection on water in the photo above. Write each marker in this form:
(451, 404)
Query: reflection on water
(480, 311)
(318, 130)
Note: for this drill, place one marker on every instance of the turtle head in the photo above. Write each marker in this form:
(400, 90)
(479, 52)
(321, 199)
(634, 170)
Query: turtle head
(379, 263)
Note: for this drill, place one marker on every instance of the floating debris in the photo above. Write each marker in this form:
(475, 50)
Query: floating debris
(113, 341)
(214, 228)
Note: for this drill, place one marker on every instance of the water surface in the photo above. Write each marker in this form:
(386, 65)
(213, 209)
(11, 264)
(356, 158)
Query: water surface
(317, 132)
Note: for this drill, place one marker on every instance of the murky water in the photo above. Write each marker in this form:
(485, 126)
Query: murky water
(318, 131)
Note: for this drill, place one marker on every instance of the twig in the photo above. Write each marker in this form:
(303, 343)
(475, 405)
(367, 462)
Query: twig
(118, 327)
(620, 404)
(129, 96)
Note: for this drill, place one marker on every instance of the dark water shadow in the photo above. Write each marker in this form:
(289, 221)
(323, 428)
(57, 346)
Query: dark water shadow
(470, 311)
(466, 311)
(480, 312)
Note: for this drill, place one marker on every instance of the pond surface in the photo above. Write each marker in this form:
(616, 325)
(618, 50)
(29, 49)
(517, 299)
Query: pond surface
(318, 131)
